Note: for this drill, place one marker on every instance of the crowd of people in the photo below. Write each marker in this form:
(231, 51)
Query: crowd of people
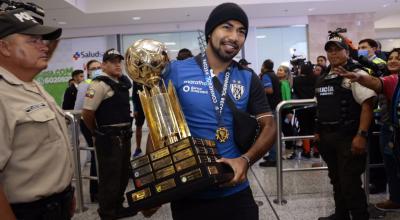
(35, 160)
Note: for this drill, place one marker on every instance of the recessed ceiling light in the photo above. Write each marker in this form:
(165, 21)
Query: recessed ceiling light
(261, 36)
(62, 22)
(311, 9)
(385, 5)
(136, 18)
(170, 43)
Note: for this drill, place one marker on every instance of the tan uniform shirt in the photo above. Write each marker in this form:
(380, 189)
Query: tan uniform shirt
(96, 93)
(35, 153)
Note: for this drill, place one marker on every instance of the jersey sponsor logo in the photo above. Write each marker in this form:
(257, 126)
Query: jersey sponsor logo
(35, 107)
(90, 93)
(237, 89)
(326, 90)
(195, 86)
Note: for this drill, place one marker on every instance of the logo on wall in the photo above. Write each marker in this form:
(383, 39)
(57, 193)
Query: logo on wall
(76, 56)
(87, 54)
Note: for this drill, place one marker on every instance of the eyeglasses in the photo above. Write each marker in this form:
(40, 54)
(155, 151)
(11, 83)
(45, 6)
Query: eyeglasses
(94, 68)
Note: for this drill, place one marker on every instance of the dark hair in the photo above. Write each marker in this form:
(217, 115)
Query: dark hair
(184, 53)
(76, 72)
(267, 65)
(306, 68)
(90, 63)
(370, 42)
(397, 49)
(321, 56)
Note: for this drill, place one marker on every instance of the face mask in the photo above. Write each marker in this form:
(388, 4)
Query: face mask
(96, 73)
(363, 53)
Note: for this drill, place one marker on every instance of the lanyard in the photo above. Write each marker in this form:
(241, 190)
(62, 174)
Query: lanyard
(218, 106)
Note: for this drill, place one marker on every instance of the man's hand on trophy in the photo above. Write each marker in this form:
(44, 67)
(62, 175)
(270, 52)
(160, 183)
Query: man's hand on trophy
(150, 212)
(239, 167)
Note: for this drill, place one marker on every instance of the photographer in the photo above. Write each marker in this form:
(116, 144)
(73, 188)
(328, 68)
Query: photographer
(304, 88)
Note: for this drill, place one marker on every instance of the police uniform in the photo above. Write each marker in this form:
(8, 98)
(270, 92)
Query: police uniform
(109, 98)
(36, 166)
(338, 114)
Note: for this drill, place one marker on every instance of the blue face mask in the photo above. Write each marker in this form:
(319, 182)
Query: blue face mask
(96, 73)
(363, 53)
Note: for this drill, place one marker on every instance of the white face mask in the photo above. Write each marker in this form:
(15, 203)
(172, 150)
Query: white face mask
(96, 73)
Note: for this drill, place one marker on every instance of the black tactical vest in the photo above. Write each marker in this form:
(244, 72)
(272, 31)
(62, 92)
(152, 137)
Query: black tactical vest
(336, 104)
(116, 109)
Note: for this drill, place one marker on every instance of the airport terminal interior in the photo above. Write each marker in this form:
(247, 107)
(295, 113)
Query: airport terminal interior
(284, 31)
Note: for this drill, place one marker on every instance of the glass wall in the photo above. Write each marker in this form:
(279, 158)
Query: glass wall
(173, 41)
(280, 43)
(389, 44)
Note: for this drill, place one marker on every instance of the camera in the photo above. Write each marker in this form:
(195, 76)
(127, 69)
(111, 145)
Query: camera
(336, 33)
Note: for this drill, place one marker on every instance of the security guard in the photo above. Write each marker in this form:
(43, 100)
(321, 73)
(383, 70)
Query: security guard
(35, 156)
(368, 47)
(106, 112)
(344, 114)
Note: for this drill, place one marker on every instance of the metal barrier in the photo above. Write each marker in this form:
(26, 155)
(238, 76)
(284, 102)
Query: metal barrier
(279, 170)
(74, 117)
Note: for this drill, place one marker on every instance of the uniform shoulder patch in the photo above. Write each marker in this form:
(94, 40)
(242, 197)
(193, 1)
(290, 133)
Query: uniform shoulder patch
(90, 93)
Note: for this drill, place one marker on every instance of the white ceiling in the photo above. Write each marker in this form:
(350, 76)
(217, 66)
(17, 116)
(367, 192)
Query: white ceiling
(109, 13)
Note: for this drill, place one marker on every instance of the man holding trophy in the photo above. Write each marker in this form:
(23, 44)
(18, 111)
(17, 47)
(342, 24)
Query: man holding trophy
(195, 153)
(208, 115)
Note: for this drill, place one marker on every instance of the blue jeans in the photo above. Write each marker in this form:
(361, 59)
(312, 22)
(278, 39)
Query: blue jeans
(392, 165)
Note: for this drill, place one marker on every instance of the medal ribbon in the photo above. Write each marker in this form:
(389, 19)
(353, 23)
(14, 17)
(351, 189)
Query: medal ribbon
(218, 106)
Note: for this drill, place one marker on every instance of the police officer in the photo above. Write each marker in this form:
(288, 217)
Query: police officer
(344, 114)
(106, 112)
(35, 155)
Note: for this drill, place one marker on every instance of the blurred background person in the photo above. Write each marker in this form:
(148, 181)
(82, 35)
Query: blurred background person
(321, 60)
(184, 53)
(72, 90)
(304, 88)
(272, 90)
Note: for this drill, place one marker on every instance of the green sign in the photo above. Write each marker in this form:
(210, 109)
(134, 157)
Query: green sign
(55, 82)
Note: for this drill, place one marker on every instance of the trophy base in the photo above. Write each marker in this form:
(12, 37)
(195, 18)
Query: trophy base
(176, 171)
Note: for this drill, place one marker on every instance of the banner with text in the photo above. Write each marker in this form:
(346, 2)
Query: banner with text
(71, 54)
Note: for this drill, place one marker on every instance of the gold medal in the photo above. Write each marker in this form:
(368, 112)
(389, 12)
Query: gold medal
(222, 134)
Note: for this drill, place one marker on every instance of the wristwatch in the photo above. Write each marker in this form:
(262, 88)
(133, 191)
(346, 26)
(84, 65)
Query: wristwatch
(362, 133)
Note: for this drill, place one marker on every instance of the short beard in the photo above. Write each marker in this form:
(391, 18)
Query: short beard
(221, 56)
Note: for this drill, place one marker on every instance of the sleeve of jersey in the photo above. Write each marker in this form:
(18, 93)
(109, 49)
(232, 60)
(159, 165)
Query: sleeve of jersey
(266, 81)
(258, 102)
(361, 93)
(6, 134)
(94, 96)
(170, 73)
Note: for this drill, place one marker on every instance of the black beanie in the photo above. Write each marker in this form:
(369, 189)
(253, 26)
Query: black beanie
(225, 12)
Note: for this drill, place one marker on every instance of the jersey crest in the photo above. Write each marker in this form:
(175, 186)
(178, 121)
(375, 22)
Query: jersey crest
(237, 89)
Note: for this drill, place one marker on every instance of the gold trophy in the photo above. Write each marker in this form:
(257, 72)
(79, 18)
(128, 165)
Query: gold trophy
(145, 61)
(177, 163)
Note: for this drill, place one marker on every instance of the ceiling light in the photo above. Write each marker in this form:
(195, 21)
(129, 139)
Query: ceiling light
(261, 36)
(170, 43)
(311, 9)
(62, 22)
(385, 5)
(136, 18)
